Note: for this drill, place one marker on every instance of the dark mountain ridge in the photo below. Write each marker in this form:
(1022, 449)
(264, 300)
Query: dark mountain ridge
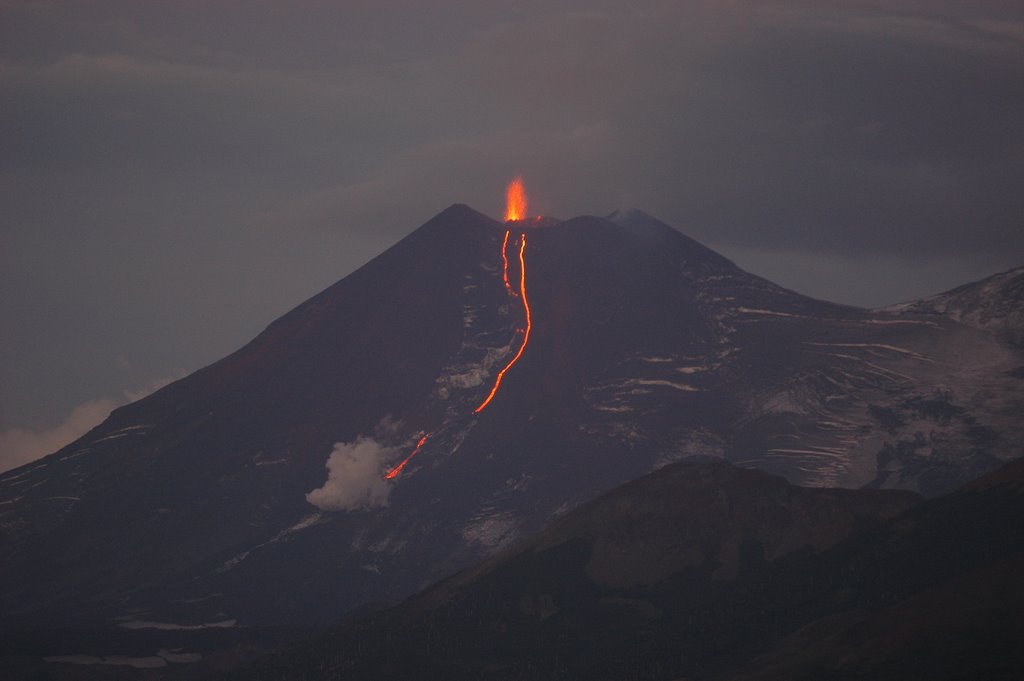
(995, 304)
(706, 571)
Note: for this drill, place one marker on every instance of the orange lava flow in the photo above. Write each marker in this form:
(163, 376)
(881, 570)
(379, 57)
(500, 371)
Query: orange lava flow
(515, 200)
(526, 334)
(398, 469)
(504, 260)
(515, 209)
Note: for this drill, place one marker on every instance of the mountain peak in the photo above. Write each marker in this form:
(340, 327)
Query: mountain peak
(630, 215)
(460, 211)
(646, 225)
(455, 218)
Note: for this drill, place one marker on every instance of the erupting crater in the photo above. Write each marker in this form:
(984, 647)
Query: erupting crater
(515, 216)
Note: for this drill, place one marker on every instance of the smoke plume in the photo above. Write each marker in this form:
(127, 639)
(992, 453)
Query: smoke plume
(355, 477)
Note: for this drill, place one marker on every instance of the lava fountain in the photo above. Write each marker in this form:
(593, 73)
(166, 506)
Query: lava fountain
(515, 209)
(515, 200)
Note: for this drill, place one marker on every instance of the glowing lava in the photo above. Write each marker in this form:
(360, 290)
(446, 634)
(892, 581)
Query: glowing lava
(529, 324)
(398, 469)
(515, 200)
(504, 260)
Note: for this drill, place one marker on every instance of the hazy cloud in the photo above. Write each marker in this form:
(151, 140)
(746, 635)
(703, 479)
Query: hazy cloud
(19, 446)
(355, 477)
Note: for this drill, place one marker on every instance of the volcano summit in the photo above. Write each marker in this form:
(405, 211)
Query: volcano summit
(254, 492)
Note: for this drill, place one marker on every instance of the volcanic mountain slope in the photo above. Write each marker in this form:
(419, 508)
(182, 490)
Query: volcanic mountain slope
(189, 508)
(705, 571)
(995, 304)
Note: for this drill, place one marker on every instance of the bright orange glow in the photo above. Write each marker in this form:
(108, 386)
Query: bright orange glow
(515, 210)
(398, 469)
(504, 260)
(515, 200)
(526, 333)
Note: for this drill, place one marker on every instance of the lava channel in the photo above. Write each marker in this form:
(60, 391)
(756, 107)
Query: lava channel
(398, 469)
(504, 261)
(515, 210)
(529, 322)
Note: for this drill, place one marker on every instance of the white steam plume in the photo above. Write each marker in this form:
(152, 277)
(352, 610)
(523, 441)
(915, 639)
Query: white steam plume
(355, 477)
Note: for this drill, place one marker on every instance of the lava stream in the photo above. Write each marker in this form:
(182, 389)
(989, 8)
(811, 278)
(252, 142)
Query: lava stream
(504, 260)
(529, 324)
(515, 197)
(398, 469)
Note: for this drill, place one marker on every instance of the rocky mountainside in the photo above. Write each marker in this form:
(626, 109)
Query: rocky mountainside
(995, 304)
(705, 571)
(252, 493)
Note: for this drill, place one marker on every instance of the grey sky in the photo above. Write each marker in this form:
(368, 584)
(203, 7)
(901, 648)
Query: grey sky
(173, 176)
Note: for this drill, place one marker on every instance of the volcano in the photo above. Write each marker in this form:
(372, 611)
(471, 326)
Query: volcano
(209, 504)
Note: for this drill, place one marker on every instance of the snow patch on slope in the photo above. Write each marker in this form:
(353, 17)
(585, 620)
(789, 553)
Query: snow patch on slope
(491, 530)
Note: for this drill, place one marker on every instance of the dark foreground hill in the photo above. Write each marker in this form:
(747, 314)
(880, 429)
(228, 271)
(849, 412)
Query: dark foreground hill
(705, 571)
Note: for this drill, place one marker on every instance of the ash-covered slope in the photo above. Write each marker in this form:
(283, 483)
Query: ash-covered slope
(705, 571)
(190, 507)
(995, 304)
